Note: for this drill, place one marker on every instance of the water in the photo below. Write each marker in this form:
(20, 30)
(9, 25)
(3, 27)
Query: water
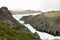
(43, 36)
(18, 17)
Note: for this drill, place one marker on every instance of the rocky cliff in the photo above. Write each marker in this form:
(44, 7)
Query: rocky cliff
(48, 22)
(11, 29)
(6, 16)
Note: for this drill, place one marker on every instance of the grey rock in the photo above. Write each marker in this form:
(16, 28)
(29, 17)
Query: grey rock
(44, 24)
(6, 16)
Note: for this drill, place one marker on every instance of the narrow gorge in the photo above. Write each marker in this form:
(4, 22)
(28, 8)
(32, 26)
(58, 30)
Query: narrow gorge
(42, 35)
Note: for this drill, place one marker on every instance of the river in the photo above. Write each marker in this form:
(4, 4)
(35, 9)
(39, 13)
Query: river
(43, 35)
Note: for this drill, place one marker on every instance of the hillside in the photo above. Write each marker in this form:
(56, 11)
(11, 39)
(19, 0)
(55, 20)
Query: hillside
(48, 22)
(10, 29)
(7, 33)
(52, 14)
(6, 16)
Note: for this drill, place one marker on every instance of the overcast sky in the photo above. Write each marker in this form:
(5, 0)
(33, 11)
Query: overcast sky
(43, 5)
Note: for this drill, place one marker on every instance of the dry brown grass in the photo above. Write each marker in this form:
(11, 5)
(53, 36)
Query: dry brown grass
(52, 14)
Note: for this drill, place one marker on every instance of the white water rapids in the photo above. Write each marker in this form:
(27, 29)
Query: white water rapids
(43, 36)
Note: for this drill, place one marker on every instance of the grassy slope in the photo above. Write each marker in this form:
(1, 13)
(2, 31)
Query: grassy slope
(7, 33)
(52, 14)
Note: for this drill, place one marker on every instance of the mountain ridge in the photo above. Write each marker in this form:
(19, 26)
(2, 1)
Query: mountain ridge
(24, 12)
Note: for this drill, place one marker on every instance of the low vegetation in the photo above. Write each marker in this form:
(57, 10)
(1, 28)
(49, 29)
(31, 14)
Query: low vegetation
(7, 33)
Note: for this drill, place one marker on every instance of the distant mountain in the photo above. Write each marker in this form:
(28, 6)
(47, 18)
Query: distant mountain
(24, 12)
(10, 29)
(48, 22)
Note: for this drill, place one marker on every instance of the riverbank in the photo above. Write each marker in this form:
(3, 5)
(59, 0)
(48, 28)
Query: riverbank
(42, 35)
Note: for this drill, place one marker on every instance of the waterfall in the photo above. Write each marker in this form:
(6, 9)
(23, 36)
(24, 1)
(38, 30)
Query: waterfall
(43, 35)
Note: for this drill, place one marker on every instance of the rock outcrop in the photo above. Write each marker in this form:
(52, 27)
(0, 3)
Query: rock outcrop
(11, 29)
(6, 16)
(48, 22)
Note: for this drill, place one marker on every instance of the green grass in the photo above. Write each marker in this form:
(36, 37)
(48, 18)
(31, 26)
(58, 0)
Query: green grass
(7, 33)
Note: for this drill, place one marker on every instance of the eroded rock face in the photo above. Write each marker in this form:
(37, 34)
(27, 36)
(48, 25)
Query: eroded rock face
(43, 23)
